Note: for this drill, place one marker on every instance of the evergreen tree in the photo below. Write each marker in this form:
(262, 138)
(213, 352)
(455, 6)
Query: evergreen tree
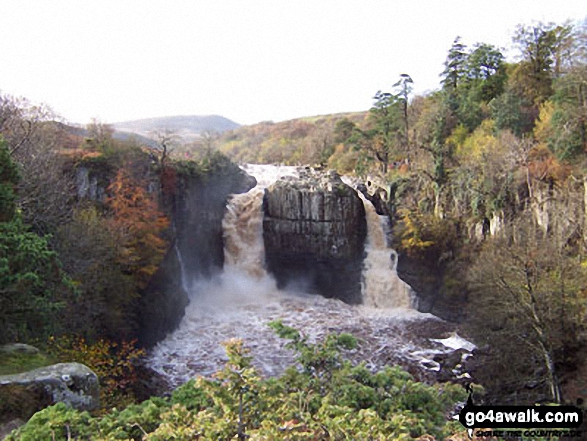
(32, 285)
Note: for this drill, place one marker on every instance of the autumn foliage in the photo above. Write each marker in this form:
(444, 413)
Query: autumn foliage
(113, 362)
(136, 217)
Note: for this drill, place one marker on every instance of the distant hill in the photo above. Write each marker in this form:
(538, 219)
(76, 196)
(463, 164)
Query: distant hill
(78, 133)
(188, 127)
(309, 140)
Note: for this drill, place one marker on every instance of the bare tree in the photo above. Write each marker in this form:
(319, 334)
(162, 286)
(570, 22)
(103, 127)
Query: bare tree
(167, 141)
(528, 304)
(46, 187)
(20, 120)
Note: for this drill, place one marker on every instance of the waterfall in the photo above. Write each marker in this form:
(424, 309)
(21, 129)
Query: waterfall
(243, 234)
(182, 271)
(382, 287)
(239, 302)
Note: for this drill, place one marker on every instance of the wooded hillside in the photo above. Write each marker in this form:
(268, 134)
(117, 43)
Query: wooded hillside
(486, 183)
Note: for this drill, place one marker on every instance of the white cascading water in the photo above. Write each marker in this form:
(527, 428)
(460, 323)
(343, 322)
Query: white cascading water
(382, 287)
(244, 298)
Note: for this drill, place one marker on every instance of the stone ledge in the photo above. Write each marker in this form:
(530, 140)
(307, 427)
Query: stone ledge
(74, 384)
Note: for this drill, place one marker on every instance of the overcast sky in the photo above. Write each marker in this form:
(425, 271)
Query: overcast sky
(247, 60)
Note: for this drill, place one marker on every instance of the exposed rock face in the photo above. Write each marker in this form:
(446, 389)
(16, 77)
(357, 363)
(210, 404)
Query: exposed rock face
(314, 232)
(87, 185)
(430, 279)
(198, 214)
(197, 209)
(163, 303)
(378, 195)
(71, 383)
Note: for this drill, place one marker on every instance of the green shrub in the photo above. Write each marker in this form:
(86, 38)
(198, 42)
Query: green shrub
(322, 397)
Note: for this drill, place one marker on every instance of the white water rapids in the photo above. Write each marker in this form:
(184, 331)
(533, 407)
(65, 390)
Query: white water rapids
(244, 298)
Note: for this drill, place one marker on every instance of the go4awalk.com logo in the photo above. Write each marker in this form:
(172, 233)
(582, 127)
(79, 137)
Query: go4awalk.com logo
(521, 421)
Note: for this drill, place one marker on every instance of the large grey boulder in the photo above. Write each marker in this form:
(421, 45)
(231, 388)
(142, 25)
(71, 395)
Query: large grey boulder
(71, 383)
(314, 231)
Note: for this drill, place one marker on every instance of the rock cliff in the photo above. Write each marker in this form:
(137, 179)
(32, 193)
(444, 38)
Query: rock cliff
(314, 231)
(197, 214)
(197, 208)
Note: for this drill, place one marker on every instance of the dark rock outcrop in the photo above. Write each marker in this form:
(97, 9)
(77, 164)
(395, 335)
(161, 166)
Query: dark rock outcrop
(197, 208)
(438, 284)
(74, 384)
(377, 196)
(163, 303)
(314, 231)
(197, 214)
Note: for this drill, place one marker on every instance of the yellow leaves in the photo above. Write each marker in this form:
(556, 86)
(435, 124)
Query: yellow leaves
(114, 363)
(458, 136)
(543, 128)
(480, 144)
(411, 234)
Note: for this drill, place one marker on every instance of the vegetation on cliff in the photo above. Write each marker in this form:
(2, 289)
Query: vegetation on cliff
(84, 228)
(486, 184)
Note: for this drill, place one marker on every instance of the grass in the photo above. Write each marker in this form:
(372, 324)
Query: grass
(17, 363)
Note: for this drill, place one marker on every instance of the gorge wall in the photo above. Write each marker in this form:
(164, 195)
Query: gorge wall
(193, 196)
(314, 232)
(197, 206)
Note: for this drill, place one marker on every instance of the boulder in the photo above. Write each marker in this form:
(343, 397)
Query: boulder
(71, 383)
(314, 230)
(18, 348)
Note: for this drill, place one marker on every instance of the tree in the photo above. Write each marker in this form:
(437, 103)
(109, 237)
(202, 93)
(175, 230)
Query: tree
(569, 117)
(20, 120)
(136, 217)
(33, 288)
(529, 288)
(100, 136)
(166, 141)
(471, 80)
(454, 65)
(388, 121)
(32, 284)
(485, 72)
(404, 89)
(513, 112)
(33, 139)
(9, 177)
(90, 248)
(343, 130)
(543, 48)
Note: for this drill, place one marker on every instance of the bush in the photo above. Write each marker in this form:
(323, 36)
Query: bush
(114, 363)
(323, 398)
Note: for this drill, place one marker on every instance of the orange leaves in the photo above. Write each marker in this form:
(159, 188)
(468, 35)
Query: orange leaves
(114, 363)
(544, 166)
(137, 218)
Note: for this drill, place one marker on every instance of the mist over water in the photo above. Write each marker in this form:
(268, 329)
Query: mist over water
(240, 302)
